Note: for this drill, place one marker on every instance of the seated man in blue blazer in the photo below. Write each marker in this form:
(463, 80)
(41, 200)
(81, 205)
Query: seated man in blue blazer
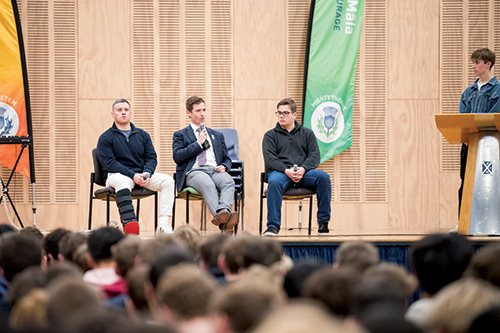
(202, 161)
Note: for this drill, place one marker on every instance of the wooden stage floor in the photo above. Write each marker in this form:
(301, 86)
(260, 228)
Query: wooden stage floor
(383, 236)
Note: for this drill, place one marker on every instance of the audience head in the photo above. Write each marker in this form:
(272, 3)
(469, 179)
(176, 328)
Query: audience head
(244, 303)
(301, 316)
(485, 264)
(241, 252)
(100, 242)
(209, 250)
(296, 276)
(52, 243)
(4, 228)
(69, 297)
(440, 259)
(124, 253)
(69, 243)
(150, 249)
(458, 304)
(184, 293)
(356, 255)
(168, 258)
(332, 288)
(34, 232)
(188, 235)
(18, 252)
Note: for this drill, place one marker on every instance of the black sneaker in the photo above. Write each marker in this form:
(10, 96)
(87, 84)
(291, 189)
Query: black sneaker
(323, 229)
(271, 231)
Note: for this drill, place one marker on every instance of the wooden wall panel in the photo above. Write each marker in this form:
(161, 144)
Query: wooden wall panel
(104, 49)
(414, 169)
(259, 50)
(413, 47)
(65, 102)
(171, 110)
(448, 200)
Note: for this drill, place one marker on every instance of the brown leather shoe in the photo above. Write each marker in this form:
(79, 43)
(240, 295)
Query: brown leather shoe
(221, 217)
(229, 226)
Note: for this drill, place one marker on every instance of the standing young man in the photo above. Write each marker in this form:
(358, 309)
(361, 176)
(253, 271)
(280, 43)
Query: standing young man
(202, 161)
(482, 96)
(128, 159)
(285, 146)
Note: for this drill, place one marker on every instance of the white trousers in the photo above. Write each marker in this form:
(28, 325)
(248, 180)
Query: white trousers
(158, 182)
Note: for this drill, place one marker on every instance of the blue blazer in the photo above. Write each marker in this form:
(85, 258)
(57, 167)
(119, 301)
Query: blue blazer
(186, 149)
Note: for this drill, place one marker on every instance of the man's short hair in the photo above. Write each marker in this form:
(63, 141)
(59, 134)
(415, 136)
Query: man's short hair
(357, 255)
(485, 264)
(124, 253)
(100, 242)
(484, 54)
(18, 252)
(118, 101)
(288, 101)
(440, 259)
(210, 249)
(192, 101)
(52, 241)
(69, 243)
(186, 291)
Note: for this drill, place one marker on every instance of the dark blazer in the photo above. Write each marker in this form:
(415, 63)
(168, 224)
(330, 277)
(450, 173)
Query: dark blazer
(186, 149)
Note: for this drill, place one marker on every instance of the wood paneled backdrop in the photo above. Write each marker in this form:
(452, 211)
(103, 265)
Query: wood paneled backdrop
(243, 56)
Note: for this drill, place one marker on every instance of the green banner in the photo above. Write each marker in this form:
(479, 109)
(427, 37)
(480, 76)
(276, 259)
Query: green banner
(330, 72)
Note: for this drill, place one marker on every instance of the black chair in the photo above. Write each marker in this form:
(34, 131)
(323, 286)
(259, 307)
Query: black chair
(108, 193)
(236, 171)
(293, 194)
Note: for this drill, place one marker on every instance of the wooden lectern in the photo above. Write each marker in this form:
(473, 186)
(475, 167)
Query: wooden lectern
(480, 210)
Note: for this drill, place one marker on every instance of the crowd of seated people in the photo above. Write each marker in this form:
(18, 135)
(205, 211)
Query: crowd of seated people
(106, 281)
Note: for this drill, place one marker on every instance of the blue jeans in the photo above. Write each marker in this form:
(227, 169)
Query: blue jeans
(279, 182)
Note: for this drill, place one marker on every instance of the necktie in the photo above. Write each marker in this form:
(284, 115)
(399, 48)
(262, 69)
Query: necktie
(202, 157)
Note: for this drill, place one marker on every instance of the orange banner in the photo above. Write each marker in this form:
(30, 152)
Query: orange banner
(13, 113)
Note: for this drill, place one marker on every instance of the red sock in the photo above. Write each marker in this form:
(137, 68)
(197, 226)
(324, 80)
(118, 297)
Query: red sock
(132, 228)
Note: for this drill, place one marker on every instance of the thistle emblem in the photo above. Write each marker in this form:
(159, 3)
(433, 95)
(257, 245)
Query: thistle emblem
(327, 123)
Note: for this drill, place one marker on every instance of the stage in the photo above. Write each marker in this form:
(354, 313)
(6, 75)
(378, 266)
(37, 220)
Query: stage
(392, 247)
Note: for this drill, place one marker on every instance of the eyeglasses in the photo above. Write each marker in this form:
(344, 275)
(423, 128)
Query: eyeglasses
(284, 114)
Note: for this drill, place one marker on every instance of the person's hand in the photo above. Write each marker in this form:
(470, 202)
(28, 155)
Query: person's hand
(139, 179)
(295, 176)
(202, 137)
(220, 168)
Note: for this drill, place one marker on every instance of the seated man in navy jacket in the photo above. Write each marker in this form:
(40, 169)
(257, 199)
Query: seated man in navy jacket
(202, 161)
(128, 159)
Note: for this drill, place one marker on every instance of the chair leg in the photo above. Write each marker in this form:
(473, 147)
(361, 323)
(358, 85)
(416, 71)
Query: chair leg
(261, 206)
(173, 212)
(201, 219)
(156, 211)
(187, 207)
(310, 214)
(300, 214)
(90, 213)
(107, 209)
(137, 211)
(91, 200)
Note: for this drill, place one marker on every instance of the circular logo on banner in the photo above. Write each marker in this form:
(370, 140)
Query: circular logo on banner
(9, 121)
(327, 122)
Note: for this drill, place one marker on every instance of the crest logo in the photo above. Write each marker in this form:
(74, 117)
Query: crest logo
(327, 121)
(9, 121)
